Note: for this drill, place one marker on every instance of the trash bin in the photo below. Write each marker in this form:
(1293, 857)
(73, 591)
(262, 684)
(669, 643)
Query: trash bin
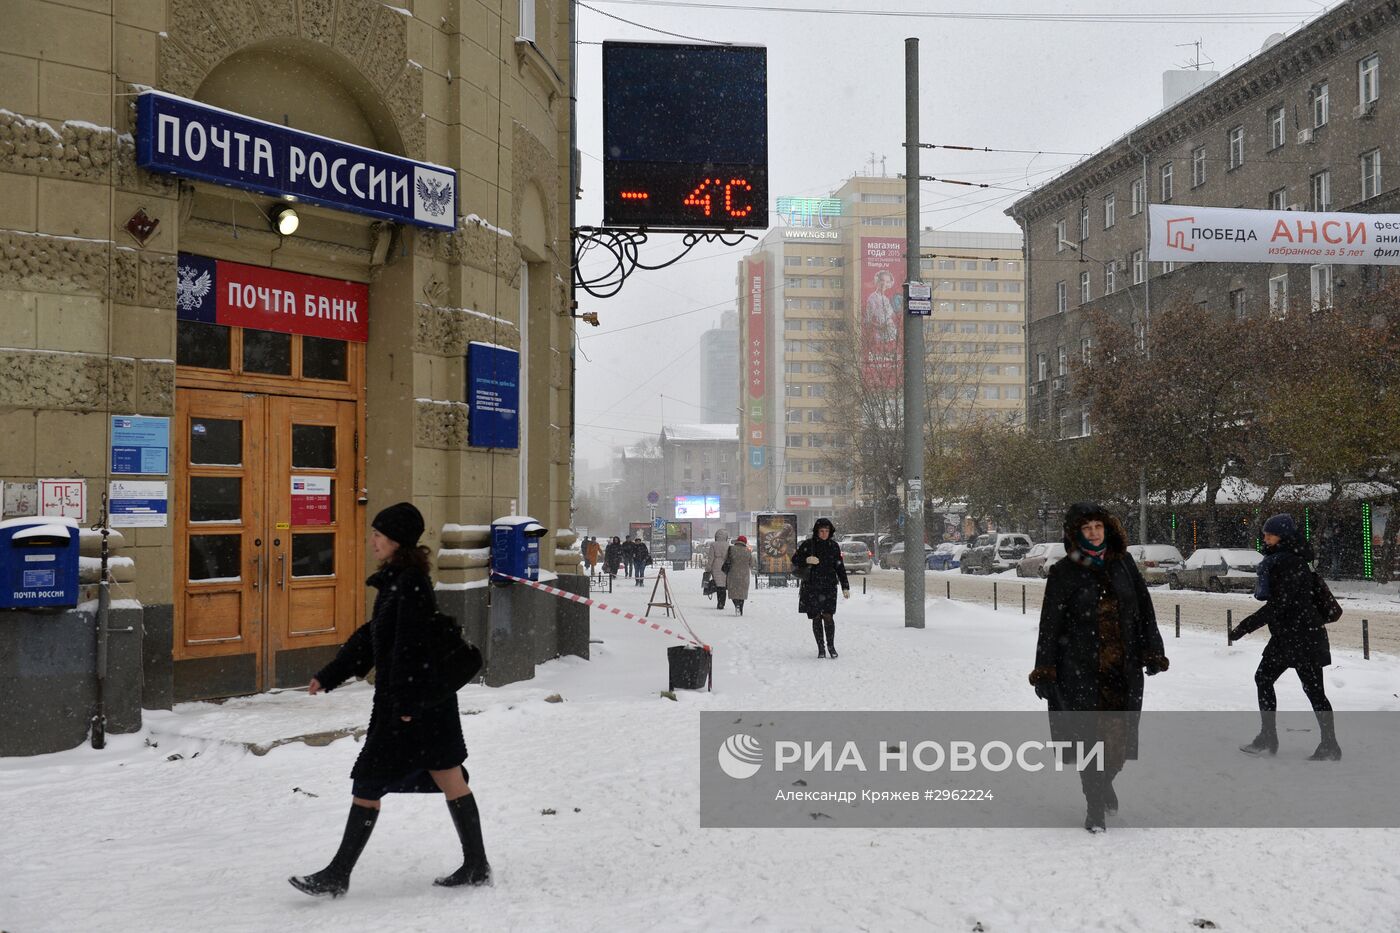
(515, 548)
(690, 667)
(38, 562)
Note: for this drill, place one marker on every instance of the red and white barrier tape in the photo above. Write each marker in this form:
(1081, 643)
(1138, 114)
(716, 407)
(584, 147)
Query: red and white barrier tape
(584, 600)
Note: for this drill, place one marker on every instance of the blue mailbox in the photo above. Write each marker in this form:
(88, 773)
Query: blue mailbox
(515, 547)
(38, 562)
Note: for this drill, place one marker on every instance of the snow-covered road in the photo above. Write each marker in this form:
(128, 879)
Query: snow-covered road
(590, 806)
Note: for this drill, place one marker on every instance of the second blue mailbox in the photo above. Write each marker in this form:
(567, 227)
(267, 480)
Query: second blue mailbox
(515, 548)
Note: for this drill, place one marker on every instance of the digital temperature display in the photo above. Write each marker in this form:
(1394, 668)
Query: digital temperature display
(685, 136)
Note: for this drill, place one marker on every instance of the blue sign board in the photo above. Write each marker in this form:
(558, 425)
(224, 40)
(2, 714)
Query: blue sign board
(140, 445)
(493, 396)
(756, 457)
(183, 137)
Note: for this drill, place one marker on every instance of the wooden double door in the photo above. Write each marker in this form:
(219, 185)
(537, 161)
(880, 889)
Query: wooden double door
(268, 549)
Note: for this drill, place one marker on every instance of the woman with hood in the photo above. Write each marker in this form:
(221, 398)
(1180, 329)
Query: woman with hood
(1297, 637)
(719, 553)
(740, 572)
(612, 556)
(818, 562)
(1098, 632)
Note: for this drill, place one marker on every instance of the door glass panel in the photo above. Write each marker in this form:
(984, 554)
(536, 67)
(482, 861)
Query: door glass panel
(265, 351)
(204, 345)
(313, 447)
(216, 499)
(215, 557)
(216, 441)
(323, 358)
(313, 555)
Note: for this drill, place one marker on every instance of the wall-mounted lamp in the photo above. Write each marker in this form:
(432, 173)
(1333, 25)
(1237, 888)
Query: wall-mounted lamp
(285, 220)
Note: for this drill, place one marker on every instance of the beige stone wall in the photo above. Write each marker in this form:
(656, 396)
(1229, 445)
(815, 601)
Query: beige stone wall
(87, 321)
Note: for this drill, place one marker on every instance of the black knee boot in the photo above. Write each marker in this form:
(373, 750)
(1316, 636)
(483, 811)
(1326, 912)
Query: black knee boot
(1266, 742)
(830, 634)
(1327, 749)
(475, 869)
(818, 633)
(334, 879)
(1091, 782)
(739, 606)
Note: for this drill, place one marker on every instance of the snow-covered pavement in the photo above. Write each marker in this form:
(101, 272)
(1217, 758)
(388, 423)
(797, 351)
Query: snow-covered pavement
(590, 806)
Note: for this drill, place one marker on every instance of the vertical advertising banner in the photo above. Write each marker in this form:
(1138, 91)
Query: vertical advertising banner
(777, 542)
(881, 311)
(678, 541)
(755, 353)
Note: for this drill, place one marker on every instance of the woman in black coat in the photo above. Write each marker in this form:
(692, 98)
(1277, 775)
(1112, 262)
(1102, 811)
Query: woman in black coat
(410, 747)
(1098, 631)
(1297, 637)
(612, 556)
(818, 562)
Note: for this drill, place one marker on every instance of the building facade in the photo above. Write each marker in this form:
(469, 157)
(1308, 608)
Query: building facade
(1306, 124)
(283, 442)
(719, 369)
(700, 476)
(809, 294)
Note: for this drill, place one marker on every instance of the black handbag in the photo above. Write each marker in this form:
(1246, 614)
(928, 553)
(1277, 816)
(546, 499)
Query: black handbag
(1327, 604)
(458, 660)
(728, 562)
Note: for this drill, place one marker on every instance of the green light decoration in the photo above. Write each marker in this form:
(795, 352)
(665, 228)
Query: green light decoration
(1367, 567)
(1307, 523)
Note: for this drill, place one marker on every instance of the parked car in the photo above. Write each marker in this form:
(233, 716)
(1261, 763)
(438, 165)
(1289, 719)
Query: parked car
(1156, 561)
(995, 552)
(947, 556)
(856, 555)
(894, 560)
(1217, 570)
(1039, 559)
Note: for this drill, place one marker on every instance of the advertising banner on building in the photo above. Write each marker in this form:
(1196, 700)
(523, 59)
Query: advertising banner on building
(640, 530)
(178, 136)
(678, 540)
(881, 312)
(493, 396)
(777, 541)
(756, 279)
(214, 291)
(1181, 233)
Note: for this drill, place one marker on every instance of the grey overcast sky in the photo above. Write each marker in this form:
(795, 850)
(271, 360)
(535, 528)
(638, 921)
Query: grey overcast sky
(1048, 77)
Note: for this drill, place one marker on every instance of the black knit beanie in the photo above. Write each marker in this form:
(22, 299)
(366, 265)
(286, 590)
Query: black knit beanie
(401, 522)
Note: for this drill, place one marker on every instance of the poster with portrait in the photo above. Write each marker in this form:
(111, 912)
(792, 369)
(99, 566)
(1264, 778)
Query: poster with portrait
(882, 270)
(777, 542)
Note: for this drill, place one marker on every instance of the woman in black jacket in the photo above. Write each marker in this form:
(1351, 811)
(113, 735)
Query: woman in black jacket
(818, 562)
(410, 747)
(1098, 631)
(1297, 637)
(612, 556)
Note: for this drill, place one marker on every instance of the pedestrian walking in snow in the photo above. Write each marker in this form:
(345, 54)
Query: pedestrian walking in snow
(740, 572)
(719, 555)
(410, 747)
(1297, 635)
(592, 553)
(818, 563)
(612, 556)
(641, 556)
(1098, 632)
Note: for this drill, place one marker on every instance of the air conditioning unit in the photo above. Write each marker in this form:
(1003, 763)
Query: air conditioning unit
(1364, 111)
(1305, 136)
(1058, 384)
(1035, 388)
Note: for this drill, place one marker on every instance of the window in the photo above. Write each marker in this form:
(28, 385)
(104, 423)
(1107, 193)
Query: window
(816, 391)
(1086, 347)
(1012, 392)
(1140, 333)
(1084, 288)
(1110, 277)
(1278, 199)
(1110, 211)
(1040, 367)
(1062, 361)
(1370, 174)
(967, 285)
(969, 265)
(1198, 166)
(1168, 267)
(1061, 297)
(1278, 295)
(1166, 174)
(527, 20)
(1276, 127)
(1237, 303)
(1083, 222)
(1236, 140)
(1013, 286)
(792, 282)
(1138, 270)
(793, 440)
(814, 282)
(1084, 423)
(1319, 105)
(989, 265)
(991, 393)
(991, 286)
(1059, 236)
(792, 260)
(792, 415)
(968, 327)
(947, 264)
(793, 390)
(1320, 187)
(1135, 197)
(792, 324)
(792, 367)
(1368, 73)
(1321, 287)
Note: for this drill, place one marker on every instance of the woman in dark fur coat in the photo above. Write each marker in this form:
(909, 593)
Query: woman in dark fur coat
(1098, 631)
(410, 747)
(818, 562)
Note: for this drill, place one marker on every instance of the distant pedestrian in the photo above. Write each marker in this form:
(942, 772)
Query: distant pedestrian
(819, 564)
(641, 556)
(1098, 632)
(740, 572)
(410, 747)
(612, 556)
(592, 553)
(1297, 636)
(719, 553)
